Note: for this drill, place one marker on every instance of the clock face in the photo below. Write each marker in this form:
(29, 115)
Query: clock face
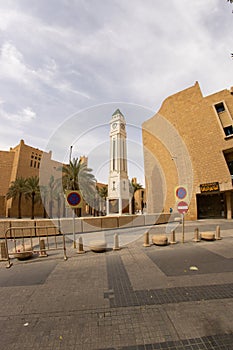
(114, 125)
(122, 126)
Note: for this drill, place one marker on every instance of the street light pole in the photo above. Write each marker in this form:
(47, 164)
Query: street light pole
(71, 147)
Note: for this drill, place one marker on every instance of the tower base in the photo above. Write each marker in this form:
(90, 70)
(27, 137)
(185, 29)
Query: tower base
(119, 206)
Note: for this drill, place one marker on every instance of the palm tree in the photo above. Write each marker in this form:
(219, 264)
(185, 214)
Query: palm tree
(17, 189)
(134, 187)
(103, 192)
(32, 192)
(44, 194)
(51, 189)
(50, 193)
(58, 197)
(77, 176)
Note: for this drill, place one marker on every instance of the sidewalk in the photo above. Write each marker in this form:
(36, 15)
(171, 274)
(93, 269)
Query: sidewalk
(174, 297)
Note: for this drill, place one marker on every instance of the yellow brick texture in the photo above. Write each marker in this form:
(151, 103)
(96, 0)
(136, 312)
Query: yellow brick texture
(198, 126)
(25, 161)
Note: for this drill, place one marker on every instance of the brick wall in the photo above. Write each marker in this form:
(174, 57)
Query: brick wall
(6, 163)
(25, 161)
(189, 118)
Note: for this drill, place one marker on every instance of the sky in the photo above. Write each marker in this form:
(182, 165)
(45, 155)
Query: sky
(67, 65)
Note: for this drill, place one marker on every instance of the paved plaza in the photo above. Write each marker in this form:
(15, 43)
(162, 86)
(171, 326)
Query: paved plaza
(175, 297)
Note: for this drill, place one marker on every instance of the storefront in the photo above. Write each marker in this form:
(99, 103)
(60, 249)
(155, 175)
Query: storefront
(210, 202)
(211, 206)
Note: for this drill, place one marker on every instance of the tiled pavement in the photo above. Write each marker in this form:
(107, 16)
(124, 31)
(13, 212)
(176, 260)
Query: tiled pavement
(135, 298)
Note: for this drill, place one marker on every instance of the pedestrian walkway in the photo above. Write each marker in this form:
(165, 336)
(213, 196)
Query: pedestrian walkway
(174, 297)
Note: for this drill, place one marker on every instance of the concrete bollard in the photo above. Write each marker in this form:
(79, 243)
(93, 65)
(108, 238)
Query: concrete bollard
(196, 235)
(160, 240)
(80, 246)
(42, 252)
(3, 251)
(146, 239)
(116, 242)
(218, 235)
(173, 237)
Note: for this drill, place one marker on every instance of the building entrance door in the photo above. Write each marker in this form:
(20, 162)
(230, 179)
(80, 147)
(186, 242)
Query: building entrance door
(211, 206)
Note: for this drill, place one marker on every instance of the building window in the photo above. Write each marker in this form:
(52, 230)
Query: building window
(228, 130)
(114, 154)
(113, 185)
(228, 154)
(124, 156)
(35, 160)
(224, 117)
(219, 107)
(32, 158)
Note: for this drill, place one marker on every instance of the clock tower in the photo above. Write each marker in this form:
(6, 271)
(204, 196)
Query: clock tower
(118, 201)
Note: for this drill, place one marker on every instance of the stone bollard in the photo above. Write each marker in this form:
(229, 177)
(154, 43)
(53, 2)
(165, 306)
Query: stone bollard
(196, 235)
(173, 237)
(160, 240)
(218, 235)
(116, 242)
(42, 252)
(146, 239)
(80, 246)
(3, 251)
(207, 236)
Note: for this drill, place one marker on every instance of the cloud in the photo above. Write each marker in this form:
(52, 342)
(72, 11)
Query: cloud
(13, 67)
(120, 54)
(27, 115)
(24, 116)
(58, 58)
(11, 63)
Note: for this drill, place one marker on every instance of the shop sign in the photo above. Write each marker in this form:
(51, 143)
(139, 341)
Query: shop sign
(210, 187)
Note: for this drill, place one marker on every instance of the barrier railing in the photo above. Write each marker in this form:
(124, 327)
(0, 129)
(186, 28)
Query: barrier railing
(23, 242)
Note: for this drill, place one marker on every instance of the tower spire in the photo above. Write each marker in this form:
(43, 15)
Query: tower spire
(117, 111)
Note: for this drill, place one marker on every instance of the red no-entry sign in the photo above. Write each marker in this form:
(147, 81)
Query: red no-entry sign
(182, 207)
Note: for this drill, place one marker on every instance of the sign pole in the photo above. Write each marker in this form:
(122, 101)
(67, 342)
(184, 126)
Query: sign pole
(74, 200)
(181, 193)
(74, 237)
(182, 227)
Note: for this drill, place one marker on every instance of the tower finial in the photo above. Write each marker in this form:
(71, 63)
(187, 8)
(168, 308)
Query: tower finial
(118, 112)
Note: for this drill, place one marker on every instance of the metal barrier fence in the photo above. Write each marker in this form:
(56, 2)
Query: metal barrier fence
(23, 242)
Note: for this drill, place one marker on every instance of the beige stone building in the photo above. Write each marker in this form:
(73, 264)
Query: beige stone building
(22, 161)
(26, 161)
(188, 144)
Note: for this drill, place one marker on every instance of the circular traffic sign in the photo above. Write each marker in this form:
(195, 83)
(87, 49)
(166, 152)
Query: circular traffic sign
(73, 198)
(182, 207)
(181, 192)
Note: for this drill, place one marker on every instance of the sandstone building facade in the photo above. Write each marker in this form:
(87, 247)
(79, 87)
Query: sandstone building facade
(22, 161)
(189, 144)
(26, 161)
